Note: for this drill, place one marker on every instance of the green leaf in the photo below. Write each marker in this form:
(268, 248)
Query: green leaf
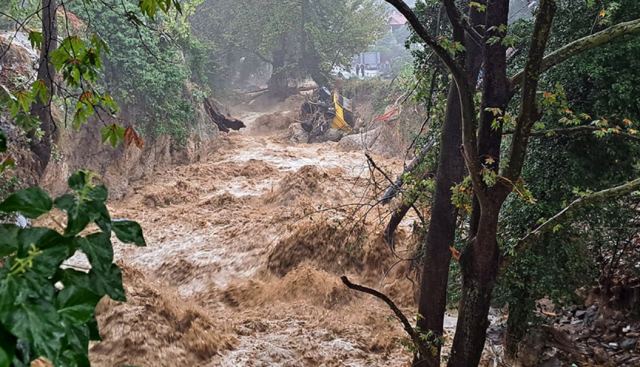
(148, 7)
(32, 203)
(76, 346)
(109, 282)
(77, 304)
(37, 322)
(129, 232)
(113, 134)
(79, 180)
(78, 216)
(8, 239)
(36, 39)
(85, 206)
(94, 333)
(40, 91)
(98, 249)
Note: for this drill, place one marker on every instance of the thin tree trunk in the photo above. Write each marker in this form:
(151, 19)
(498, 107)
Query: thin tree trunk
(479, 263)
(442, 226)
(435, 271)
(46, 74)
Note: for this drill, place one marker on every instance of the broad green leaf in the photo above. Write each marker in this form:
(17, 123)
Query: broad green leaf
(98, 249)
(79, 180)
(129, 232)
(76, 346)
(42, 238)
(32, 203)
(8, 239)
(94, 333)
(76, 304)
(40, 91)
(84, 206)
(78, 216)
(112, 134)
(109, 282)
(38, 323)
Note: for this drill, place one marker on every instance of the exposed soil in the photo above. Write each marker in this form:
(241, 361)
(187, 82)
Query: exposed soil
(245, 250)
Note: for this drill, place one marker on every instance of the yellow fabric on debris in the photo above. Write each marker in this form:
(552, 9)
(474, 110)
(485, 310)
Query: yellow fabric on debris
(338, 121)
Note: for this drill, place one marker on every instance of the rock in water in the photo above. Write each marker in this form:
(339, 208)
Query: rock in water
(297, 134)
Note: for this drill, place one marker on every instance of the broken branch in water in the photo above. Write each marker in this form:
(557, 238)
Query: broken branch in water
(403, 319)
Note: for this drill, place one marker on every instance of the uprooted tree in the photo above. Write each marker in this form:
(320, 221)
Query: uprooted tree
(491, 150)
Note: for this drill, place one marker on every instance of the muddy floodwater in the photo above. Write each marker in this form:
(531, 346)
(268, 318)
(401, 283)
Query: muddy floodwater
(245, 250)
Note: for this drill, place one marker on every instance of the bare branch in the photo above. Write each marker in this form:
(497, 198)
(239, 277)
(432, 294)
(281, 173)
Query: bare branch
(396, 185)
(413, 334)
(581, 45)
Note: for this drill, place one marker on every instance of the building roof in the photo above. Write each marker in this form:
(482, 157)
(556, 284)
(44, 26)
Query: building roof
(397, 19)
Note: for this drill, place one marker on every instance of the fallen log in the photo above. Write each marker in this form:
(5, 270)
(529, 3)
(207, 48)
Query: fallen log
(225, 123)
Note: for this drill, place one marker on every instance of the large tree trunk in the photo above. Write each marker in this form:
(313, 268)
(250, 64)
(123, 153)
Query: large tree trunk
(480, 263)
(442, 226)
(46, 74)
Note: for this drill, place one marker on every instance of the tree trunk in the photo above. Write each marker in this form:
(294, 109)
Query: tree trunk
(278, 84)
(442, 226)
(46, 73)
(435, 271)
(479, 263)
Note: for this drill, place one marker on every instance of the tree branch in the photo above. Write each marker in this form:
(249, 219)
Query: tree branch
(413, 334)
(457, 20)
(569, 211)
(423, 33)
(393, 189)
(528, 107)
(576, 130)
(583, 44)
(465, 89)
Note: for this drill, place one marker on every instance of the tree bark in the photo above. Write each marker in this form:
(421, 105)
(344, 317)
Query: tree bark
(479, 264)
(46, 74)
(442, 226)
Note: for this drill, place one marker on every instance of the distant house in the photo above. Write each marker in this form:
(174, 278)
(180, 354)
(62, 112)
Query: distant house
(396, 21)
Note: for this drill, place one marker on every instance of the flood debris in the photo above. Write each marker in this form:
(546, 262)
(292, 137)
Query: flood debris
(224, 122)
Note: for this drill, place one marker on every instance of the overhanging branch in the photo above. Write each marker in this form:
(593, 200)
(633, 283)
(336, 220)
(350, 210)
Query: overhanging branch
(570, 210)
(583, 44)
(577, 130)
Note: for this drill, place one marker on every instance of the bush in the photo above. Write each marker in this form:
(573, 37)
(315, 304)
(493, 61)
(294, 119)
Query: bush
(47, 308)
